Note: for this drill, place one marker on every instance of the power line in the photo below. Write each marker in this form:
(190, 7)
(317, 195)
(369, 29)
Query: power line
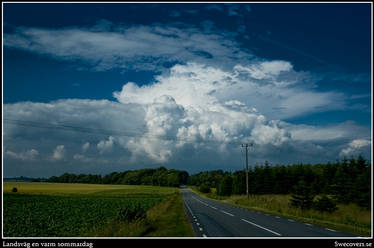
(69, 128)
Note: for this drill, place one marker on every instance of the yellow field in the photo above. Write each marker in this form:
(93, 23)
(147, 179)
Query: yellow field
(84, 189)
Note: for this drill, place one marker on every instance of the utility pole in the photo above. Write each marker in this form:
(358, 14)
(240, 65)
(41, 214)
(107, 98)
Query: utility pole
(246, 166)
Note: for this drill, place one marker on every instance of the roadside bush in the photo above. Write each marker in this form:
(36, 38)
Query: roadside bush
(131, 213)
(204, 188)
(325, 204)
(225, 186)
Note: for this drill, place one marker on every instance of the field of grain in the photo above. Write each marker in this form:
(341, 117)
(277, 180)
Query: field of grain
(85, 189)
(76, 210)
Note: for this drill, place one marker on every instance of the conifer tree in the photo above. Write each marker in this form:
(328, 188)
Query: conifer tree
(302, 195)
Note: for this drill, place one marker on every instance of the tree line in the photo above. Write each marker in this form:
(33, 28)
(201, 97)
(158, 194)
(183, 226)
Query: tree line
(346, 181)
(156, 177)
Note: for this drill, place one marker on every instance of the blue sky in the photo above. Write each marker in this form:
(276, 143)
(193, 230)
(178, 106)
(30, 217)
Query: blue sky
(288, 77)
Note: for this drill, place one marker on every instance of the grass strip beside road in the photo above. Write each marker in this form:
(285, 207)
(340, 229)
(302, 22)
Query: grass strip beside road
(169, 219)
(166, 219)
(348, 218)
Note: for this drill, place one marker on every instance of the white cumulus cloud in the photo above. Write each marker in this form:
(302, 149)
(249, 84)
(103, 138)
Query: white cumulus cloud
(190, 110)
(216, 96)
(105, 145)
(27, 155)
(59, 153)
(276, 95)
(355, 146)
(85, 146)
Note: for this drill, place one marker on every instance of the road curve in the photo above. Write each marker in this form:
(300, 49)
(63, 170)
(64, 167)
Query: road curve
(210, 218)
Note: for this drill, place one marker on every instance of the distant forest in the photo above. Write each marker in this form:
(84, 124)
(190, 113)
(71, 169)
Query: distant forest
(157, 177)
(346, 180)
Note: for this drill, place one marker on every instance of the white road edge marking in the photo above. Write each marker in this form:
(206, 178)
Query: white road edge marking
(213, 207)
(261, 227)
(330, 230)
(200, 201)
(227, 213)
(189, 209)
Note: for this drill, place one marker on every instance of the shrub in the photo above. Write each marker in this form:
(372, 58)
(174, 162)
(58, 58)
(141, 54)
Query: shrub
(325, 204)
(204, 188)
(225, 186)
(14, 190)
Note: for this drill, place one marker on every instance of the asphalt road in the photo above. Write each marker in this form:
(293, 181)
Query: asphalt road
(210, 218)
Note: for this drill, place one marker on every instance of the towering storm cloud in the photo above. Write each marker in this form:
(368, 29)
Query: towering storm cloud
(191, 109)
(207, 95)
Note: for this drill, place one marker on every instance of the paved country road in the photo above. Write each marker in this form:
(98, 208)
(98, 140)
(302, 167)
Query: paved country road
(210, 218)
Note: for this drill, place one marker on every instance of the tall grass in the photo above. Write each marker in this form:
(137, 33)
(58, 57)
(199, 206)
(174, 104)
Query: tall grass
(348, 217)
(169, 219)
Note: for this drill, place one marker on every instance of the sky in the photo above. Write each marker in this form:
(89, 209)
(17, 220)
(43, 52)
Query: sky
(97, 87)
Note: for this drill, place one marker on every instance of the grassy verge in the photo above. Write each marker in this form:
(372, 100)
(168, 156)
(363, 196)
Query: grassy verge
(166, 219)
(348, 218)
(169, 219)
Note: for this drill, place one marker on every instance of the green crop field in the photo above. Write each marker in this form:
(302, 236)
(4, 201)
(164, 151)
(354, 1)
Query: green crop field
(68, 210)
